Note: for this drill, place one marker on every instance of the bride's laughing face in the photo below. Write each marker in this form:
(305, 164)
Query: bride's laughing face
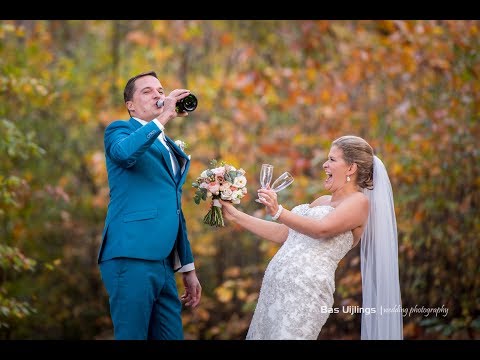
(336, 169)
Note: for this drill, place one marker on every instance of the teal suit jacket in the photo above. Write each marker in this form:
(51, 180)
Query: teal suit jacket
(144, 218)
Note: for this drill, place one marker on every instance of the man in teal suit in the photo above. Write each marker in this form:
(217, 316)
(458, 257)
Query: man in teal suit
(145, 238)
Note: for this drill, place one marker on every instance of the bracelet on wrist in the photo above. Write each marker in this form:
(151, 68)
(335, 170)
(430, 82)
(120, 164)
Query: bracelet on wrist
(277, 214)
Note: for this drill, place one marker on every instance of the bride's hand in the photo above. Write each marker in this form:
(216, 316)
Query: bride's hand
(228, 210)
(268, 198)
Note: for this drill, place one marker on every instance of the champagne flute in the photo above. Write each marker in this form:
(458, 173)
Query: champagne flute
(266, 174)
(282, 182)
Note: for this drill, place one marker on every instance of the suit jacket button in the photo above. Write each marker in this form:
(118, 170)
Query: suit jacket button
(178, 212)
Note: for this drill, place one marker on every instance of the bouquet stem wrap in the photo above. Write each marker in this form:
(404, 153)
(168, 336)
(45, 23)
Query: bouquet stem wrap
(214, 216)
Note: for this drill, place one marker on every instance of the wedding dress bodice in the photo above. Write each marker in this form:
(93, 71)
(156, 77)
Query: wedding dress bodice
(299, 282)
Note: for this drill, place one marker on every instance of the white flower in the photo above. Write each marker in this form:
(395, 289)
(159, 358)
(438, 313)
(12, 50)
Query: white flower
(181, 144)
(240, 181)
(236, 196)
(225, 185)
(226, 194)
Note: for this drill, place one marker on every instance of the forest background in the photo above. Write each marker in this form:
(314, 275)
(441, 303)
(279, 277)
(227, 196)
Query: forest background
(269, 91)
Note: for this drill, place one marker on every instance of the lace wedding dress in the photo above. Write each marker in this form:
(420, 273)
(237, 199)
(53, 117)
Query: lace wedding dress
(299, 282)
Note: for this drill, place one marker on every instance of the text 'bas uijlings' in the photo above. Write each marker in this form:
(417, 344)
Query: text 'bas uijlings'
(348, 309)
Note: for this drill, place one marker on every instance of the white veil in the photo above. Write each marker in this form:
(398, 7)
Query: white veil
(382, 305)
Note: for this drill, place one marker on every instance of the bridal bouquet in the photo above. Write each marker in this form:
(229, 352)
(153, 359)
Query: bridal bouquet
(221, 181)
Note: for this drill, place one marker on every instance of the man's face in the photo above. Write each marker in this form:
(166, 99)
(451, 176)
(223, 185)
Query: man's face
(148, 90)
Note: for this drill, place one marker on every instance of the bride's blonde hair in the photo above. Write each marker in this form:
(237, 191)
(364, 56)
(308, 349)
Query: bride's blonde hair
(357, 150)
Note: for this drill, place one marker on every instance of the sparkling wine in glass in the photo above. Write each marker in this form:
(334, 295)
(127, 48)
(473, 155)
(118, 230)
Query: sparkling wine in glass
(282, 182)
(266, 174)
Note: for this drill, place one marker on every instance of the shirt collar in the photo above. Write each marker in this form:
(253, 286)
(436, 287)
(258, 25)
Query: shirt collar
(143, 122)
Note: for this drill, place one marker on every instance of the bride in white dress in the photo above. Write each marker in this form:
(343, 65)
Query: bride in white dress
(296, 295)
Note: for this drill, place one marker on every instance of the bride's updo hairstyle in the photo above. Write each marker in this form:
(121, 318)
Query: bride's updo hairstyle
(357, 150)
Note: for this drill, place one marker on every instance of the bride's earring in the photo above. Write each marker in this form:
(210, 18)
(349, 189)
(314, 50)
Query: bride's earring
(348, 178)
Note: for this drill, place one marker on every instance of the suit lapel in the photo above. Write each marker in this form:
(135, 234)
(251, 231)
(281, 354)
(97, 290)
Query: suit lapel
(159, 146)
(182, 158)
(176, 148)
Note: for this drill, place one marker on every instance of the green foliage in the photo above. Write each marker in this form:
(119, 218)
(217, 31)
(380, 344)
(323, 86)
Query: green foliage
(12, 309)
(14, 147)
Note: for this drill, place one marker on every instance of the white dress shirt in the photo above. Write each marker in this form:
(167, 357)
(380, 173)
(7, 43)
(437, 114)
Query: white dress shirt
(161, 138)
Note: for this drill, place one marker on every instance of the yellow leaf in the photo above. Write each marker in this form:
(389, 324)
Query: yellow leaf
(241, 294)
(396, 169)
(473, 30)
(325, 95)
(232, 272)
(224, 294)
